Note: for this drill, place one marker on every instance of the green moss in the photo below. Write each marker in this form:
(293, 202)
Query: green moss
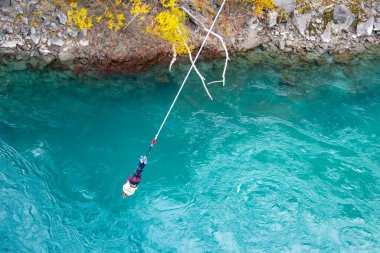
(303, 6)
(355, 7)
(327, 16)
(311, 28)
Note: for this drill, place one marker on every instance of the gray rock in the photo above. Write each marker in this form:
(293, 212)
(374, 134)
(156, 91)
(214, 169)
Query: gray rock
(365, 28)
(376, 27)
(301, 22)
(250, 39)
(5, 3)
(65, 56)
(62, 18)
(9, 44)
(34, 2)
(43, 50)
(35, 39)
(83, 43)
(286, 5)
(282, 44)
(24, 30)
(19, 9)
(72, 32)
(344, 17)
(370, 39)
(326, 35)
(272, 18)
(32, 30)
(7, 29)
(251, 21)
(53, 27)
(378, 7)
(56, 42)
(43, 39)
(289, 43)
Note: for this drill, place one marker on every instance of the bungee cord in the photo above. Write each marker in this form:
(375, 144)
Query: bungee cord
(186, 77)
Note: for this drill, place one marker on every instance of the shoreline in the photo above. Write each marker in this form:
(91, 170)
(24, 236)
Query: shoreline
(309, 33)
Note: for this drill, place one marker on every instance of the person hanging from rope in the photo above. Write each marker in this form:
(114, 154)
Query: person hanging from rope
(134, 179)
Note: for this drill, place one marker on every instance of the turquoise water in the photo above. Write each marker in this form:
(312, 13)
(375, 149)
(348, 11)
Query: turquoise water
(286, 158)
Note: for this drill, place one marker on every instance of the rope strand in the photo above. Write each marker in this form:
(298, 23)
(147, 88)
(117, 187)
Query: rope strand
(188, 73)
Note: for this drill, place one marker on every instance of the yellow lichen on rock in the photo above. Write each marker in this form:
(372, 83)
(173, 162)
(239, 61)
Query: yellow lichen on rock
(78, 16)
(139, 8)
(261, 5)
(169, 26)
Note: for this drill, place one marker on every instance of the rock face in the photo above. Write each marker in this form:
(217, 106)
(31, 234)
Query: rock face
(286, 5)
(365, 28)
(376, 27)
(343, 17)
(272, 19)
(326, 35)
(317, 30)
(301, 22)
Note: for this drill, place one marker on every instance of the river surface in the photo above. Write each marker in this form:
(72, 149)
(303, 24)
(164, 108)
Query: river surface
(286, 158)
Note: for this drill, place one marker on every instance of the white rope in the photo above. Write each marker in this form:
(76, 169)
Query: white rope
(188, 73)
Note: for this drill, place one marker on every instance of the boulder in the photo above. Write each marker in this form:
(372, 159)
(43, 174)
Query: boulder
(343, 17)
(43, 50)
(56, 42)
(62, 18)
(272, 18)
(72, 32)
(301, 22)
(251, 38)
(9, 44)
(365, 28)
(65, 56)
(35, 39)
(286, 5)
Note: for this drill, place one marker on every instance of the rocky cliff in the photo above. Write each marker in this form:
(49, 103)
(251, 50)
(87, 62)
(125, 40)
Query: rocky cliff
(36, 33)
